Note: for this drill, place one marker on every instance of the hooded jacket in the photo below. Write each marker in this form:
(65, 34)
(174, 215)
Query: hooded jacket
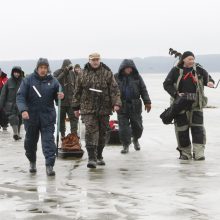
(9, 91)
(67, 79)
(133, 84)
(37, 95)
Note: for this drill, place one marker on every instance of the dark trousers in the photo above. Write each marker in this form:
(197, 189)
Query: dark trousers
(3, 119)
(15, 119)
(47, 140)
(130, 125)
(67, 110)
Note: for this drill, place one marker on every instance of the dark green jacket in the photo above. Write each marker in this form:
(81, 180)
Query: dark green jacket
(8, 95)
(67, 79)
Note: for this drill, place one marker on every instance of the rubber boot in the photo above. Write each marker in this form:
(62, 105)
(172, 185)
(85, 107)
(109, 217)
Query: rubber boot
(100, 160)
(19, 130)
(50, 171)
(198, 152)
(125, 149)
(136, 144)
(92, 160)
(15, 131)
(33, 168)
(185, 154)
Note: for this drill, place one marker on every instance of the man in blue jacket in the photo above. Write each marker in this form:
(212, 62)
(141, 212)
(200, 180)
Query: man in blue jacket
(35, 101)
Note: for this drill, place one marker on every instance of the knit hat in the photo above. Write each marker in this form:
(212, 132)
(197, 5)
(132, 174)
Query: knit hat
(43, 61)
(187, 54)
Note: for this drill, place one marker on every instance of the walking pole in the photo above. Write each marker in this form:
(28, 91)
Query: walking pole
(217, 85)
(58, 121)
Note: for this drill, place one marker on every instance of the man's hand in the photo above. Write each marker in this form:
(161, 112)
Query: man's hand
(116, 108)
(77, 113)
(147, 107)
(25, 115)
(210, 85)
(60, 95)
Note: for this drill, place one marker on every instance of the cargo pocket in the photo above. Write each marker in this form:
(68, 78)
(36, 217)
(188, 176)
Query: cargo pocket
(181, 120)
(197, 118)
(184, 139)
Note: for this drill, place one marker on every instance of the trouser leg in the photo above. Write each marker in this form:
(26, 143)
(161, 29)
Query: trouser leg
(136, 125)
(182, 135)
(3, 119)
(20, 123)
(91, 134)
(48, 144)
(63, 120)
(30, 142)
(124, 129)
(15, 123)
(198, 133)
(73, 120)
(103, 128)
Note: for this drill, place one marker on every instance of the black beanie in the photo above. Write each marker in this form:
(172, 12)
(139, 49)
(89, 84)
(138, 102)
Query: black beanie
(187, 54)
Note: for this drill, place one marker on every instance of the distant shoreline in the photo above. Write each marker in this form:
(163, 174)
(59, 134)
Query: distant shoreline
(154, 64)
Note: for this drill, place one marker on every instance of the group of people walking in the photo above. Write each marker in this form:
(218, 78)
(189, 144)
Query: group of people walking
(93, 93)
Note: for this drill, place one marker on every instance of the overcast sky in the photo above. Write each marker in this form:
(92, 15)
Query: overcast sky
(115, 28)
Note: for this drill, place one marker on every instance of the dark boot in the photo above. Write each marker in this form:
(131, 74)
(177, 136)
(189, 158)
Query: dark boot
(100, 160)
(136, 144)
(19, 129)
(183, 157)
(92, 162)
(33, 168)
(16, 137)
(50, 171)
(198, 159)
(125, 149)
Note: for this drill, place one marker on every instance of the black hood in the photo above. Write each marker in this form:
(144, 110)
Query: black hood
(17, 69)
(66, 63)
(127, 63)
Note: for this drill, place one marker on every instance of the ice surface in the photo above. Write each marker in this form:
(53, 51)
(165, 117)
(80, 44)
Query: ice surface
(151, 184)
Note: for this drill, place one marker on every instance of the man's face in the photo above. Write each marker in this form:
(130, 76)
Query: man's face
(128, 70)
(42, 70)
(77, 69)
(95, 63)
(16, 74)
(189, 61)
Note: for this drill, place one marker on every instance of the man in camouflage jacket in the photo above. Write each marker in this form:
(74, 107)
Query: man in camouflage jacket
(97, 95)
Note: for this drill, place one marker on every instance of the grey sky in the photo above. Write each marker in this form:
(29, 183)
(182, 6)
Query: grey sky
(115, 28)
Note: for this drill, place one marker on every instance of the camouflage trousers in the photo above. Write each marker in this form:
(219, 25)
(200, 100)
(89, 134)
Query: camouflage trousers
(96, 129)
(67, 110)
(184, 122)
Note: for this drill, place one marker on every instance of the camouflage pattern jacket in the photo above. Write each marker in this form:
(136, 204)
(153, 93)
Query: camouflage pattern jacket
(93, 102)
